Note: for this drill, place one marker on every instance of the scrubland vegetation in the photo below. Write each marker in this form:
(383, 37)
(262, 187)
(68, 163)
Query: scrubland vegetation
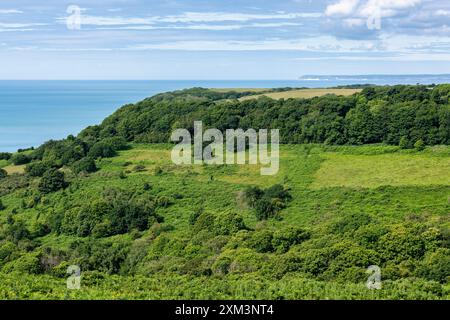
(364, 180)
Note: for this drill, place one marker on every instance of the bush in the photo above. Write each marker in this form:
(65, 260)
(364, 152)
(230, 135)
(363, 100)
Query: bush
(402, 243)
(204, 222)
(52, 180)
(261, 241)
(403, 143)
(2, 207)
(3, 173)
(285, 238)
(436, 266)
(419, 145)
(27, 263)
(267, 203)
(5, 155)
(351, 222)
(8, 252)
(86, 165)
(19, 159)
(139, 168)
(16, 230)
(117, 213)
(228, 224)
(37, 169)
(102, 150)
(117, 143)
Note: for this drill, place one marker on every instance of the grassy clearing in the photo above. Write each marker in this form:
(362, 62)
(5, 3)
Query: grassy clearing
(343, 170)
(304, 93)
(12, 169)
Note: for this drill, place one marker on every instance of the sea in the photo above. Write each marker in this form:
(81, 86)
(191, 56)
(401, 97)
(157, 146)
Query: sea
(32, 112)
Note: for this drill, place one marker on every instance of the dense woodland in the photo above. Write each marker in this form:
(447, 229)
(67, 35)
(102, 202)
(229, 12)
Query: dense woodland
(124, 227)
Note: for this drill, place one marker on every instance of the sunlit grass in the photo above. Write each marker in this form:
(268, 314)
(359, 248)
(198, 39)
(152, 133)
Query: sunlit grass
(372, 171)
(305, 93)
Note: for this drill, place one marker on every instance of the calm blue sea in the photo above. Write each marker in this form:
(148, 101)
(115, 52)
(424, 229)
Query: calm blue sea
(32, 112)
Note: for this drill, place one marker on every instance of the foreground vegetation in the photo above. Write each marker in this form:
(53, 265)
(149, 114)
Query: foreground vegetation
(141, 227)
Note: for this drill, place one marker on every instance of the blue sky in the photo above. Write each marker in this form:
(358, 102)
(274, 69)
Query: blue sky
(232, 39)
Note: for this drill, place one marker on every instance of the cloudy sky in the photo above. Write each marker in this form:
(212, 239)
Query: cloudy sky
(218, 39)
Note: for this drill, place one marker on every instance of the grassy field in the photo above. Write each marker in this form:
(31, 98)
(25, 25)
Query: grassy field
(11, 169)
(391, 187)
(372, 171)
(304, 93)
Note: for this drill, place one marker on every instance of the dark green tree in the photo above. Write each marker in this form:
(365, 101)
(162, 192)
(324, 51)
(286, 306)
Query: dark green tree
(52, 180)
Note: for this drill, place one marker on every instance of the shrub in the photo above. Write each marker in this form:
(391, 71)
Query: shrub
(52, 180)
(436, 265)
(87, 165)
(3, 173)
(8, 252)
(268, 208)
(252, 195)
(285, 238)
(403, 143)
(37, 169)
(261, 241)
(222, 264)
(228, 224)
(117, 213)
(247, 261)
(351, 222)
(19, 159)
(102, 150)
(402, 243)
(419, 145)
(2, 207)
(27, 263)
(116, 143)
(194, 216)
(16, 230)
(267, 203)
(139, 168)
(5, 155)
(204, 221)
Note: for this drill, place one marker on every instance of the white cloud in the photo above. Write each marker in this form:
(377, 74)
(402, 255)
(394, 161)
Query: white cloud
(387, 8)
(109, 21)
(225, 16)
(21, 30)
(342, 8)
(189, 17)
(323, 43)
(442, 13)
(20, 25)
(206, 26)
(9, 11)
